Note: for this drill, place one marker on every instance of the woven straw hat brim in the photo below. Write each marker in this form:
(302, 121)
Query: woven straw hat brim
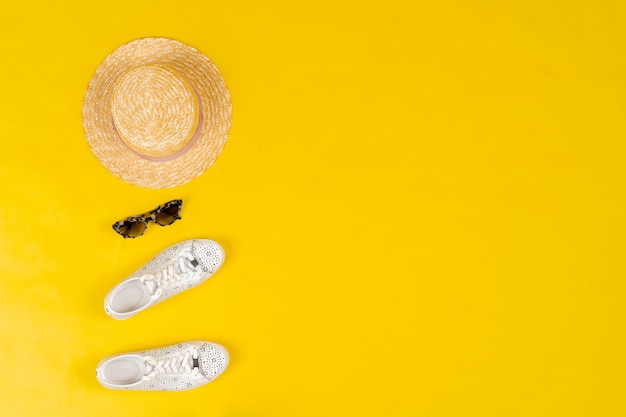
(215, 105)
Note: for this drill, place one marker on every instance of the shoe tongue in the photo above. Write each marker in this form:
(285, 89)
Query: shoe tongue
(149, 367)
(151, 284)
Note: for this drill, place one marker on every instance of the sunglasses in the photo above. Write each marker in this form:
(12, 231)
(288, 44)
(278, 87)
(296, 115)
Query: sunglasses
(164, 215)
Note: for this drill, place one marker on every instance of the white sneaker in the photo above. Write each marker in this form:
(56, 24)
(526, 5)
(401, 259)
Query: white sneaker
(177, 268)
(177, 367)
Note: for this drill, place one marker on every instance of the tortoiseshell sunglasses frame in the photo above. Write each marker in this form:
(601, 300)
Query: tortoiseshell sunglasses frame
(147, 217)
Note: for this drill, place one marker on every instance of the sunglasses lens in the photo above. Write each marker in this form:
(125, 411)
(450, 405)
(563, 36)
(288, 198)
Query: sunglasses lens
(132, 229)
(168, 215)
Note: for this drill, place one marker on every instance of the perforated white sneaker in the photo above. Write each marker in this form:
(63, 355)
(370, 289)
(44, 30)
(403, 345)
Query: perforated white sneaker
(177, 367)
(177, 268)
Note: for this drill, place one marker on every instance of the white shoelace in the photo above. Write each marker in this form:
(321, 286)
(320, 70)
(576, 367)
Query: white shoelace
(183, 267)
(177, 364)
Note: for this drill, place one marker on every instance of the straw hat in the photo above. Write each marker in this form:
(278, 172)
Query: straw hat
(157, 113)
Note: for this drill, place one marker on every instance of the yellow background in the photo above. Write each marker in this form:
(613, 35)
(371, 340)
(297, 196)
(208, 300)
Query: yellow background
(422, 205)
